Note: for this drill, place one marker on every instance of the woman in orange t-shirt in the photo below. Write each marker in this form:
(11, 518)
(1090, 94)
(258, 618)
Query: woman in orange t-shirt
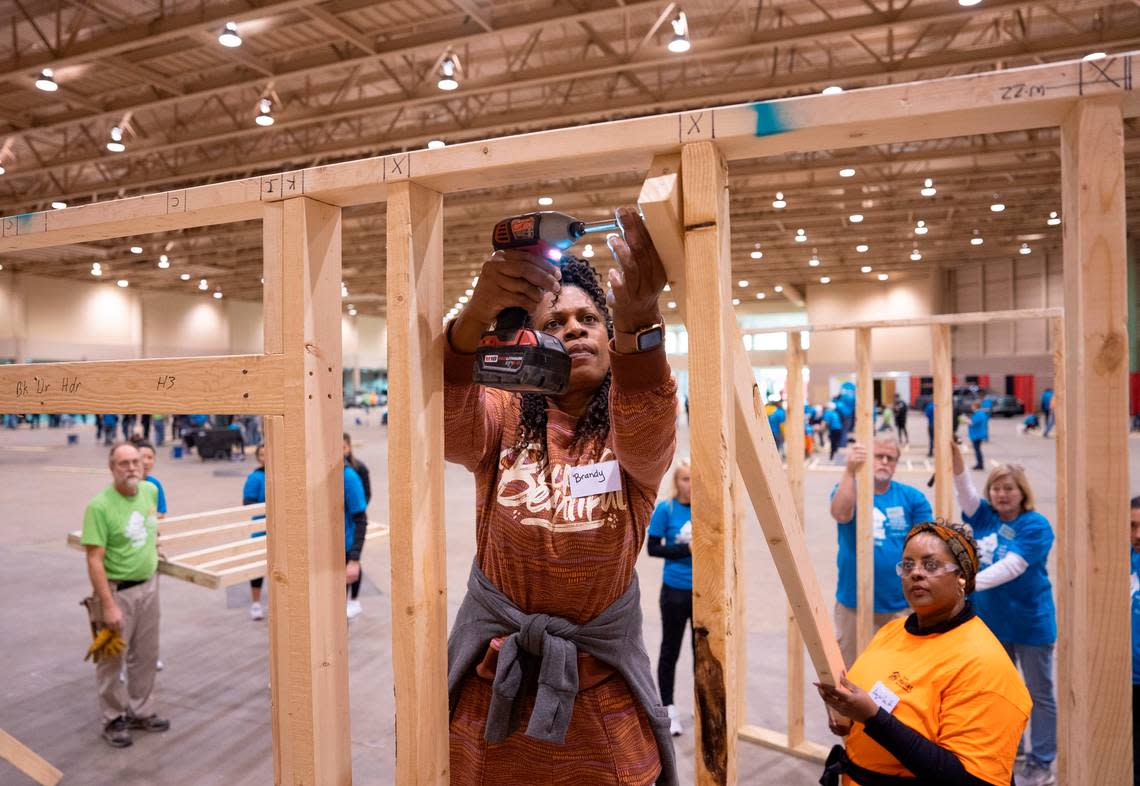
(934, 699)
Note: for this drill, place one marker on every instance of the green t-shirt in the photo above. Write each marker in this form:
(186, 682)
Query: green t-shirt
(127, 527)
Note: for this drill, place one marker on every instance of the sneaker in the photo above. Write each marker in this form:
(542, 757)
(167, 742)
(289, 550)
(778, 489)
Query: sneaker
(149, 723)
(674, 721)
(353, 609)
(1032, 775)
(116, 734)
(158, 665)
(256, 612)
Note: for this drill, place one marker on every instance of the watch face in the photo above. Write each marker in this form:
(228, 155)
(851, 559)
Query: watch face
(650, 338)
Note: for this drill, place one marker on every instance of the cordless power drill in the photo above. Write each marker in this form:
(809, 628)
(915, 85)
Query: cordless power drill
(515, 357)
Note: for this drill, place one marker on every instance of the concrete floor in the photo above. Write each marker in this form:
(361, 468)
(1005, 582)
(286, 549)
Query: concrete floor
(214, 687)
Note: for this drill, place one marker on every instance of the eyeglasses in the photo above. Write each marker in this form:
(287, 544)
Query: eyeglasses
(931, 567)
(887, 457)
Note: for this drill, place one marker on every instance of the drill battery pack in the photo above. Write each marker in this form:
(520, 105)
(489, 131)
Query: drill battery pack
(523, 360)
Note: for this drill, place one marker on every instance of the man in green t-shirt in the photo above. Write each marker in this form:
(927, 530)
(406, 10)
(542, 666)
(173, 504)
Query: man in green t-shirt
(120, 528)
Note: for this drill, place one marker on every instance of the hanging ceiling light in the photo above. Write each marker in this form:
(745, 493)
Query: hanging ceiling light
(756, 253)
(680, 41)
(1053, 219)
(671, 304)
(976, 240)
(801, 236)
(915, 255)
(1025, 249)
(825, 279)
(779, 202)
(46, 81)
(448, 71)
(777, 288)
(164, 261)
(760, 296)
(229, 37)
(1095, 56)
(351, 311)
(883, 276)
(742, 283)
(264, 115)
(847, 172)
(436, 144)
(217, 294)
(736, 301)
(920, 227)
(2, 170)
(203, 285)
(96, 269)
(862, 248)
(116, 144)
(866, 269)
(997, 206)
(58, 204)
(928, 189)
(832, 90)
(122, 283)
(814, 261)
(855, 218)
(969, 3)
(186, 277)
(546, 201)
(136, 249)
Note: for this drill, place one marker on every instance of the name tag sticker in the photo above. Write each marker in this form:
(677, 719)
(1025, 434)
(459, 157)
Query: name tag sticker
(882, 695)
(1007, 532)
(585, 481)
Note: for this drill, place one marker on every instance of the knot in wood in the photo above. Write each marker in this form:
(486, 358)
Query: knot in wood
(1111, 354)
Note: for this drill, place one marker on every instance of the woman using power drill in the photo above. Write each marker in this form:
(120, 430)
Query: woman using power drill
(548, 677)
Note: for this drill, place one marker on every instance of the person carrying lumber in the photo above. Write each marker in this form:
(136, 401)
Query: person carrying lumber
(897, 507)
(120, 532)
(548, 678)
(934, 699)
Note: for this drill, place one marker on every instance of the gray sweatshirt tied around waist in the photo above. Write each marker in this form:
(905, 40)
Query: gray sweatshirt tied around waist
(613, 637)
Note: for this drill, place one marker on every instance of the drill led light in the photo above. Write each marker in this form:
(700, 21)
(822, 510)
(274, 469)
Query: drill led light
(554, 255)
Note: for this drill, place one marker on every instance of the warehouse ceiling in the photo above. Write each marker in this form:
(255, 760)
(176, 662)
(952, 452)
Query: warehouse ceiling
(348, 78)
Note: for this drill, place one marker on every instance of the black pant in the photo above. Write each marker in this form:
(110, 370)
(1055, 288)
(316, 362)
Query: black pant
(900, 424)
(981, 464)
(835, 437)
(354, 587)
(930, 431)
(676, 612)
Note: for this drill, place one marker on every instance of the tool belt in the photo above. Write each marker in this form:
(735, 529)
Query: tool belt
(838, 764)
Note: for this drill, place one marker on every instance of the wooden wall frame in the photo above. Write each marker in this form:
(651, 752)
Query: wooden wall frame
(300, 211)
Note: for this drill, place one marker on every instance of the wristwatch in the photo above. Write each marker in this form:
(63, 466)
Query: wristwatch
(645, 339)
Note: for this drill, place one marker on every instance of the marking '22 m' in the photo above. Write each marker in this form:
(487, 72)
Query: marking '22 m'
(1021, 90)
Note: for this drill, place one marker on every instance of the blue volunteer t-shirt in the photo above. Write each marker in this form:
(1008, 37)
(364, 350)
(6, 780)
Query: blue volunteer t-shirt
(1019, 611)
(1135, 557)
(1046, 400)
(669, 518)
(775, 420)
(832, 419)
(354, 503)
(898, 509)
(161, 507)
(253, 492)
(980, 425)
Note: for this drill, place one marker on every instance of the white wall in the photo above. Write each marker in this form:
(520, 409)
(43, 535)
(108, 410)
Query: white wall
(896, 349)
(45, 318)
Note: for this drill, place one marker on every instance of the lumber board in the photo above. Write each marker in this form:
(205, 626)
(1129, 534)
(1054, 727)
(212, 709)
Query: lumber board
(308, 633)
(966, 318)
(239, 384)
(1094, 700)
(204, 556)
(416, 467)
(794, 448)
(758, 461)
(708, 292)
(940, 362)
(990, 102)
(27, 761)
(191, 521)
(864, 493)
(181, 542)
(778, 741)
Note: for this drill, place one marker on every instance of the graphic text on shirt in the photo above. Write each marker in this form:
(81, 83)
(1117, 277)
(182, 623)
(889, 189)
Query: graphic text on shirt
(542, 487)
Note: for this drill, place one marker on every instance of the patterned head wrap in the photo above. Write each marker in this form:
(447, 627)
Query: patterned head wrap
(959, 539)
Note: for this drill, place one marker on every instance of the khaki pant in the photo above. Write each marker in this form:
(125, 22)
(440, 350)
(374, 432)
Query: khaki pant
(845, 624)
(140, 608)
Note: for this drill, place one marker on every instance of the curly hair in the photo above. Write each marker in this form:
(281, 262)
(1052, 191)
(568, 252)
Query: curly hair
(594, 425)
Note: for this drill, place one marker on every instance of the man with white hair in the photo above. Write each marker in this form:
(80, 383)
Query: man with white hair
(897, 508)
(120, 529)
